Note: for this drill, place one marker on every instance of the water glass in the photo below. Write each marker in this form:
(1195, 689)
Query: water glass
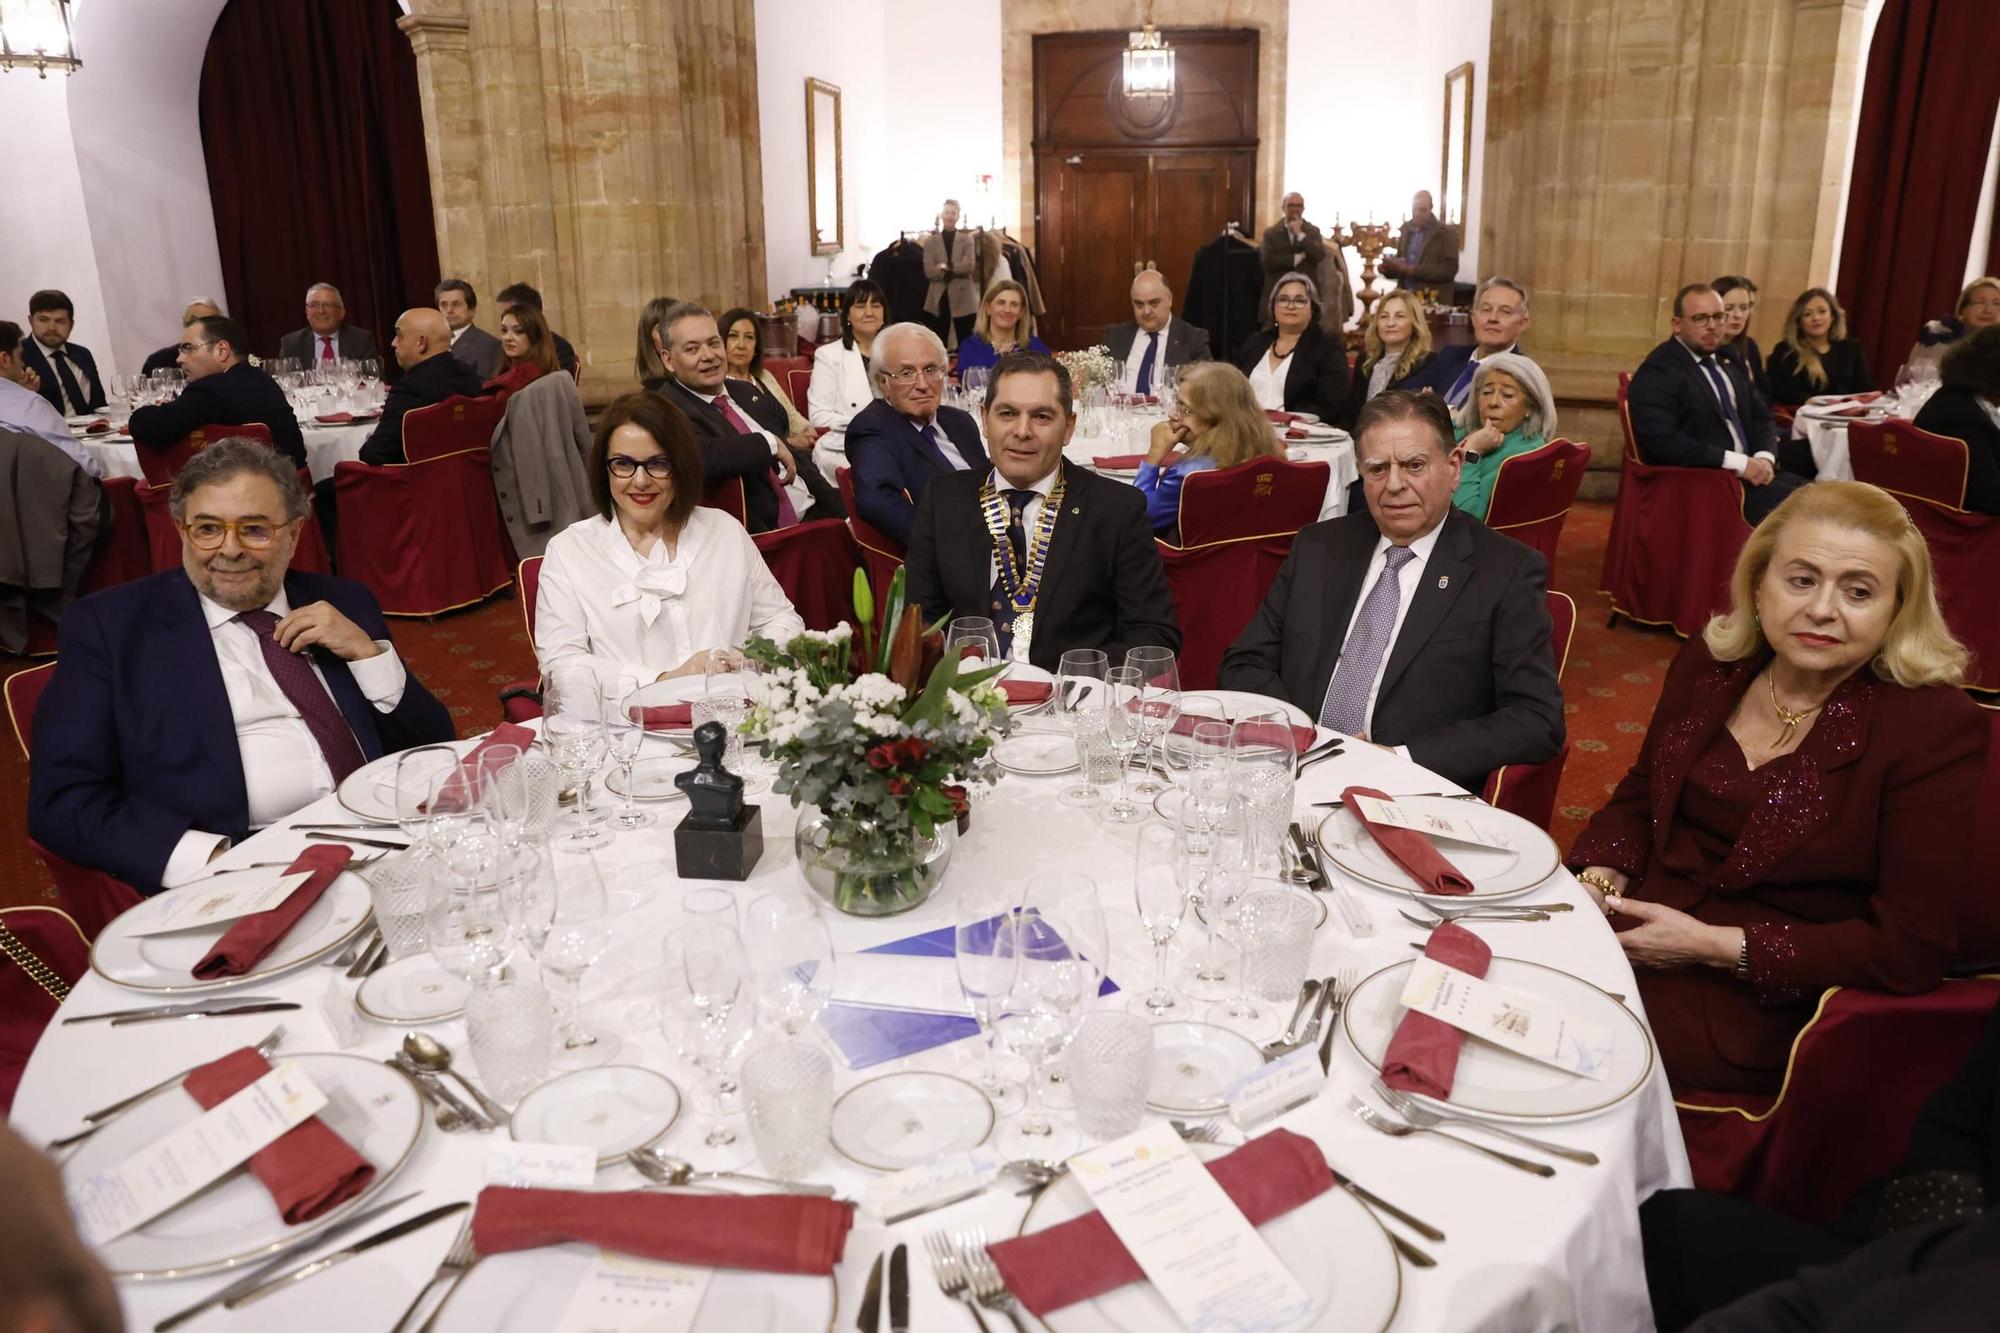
(729, 707)
(524, 799)
(788, 1095)
(1111, 1066)
(1275, 928)
(512, 1026)
(397, 886)
(1265, 759)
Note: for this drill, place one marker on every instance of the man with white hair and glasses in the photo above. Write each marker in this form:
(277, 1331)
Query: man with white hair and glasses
(903, 439)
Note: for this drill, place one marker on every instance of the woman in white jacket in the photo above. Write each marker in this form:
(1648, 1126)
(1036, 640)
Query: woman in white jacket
(841, 385)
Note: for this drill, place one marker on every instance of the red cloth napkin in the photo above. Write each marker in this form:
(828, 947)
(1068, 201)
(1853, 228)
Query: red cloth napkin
(1120, 461)
(1414, 852)
(1296, 434)
(1281, 418)
(1423, 1054)
(334, 418)
(667, 717)
(1302, 737)
(246, 942)
(770, 1233)
(1083, 1257)
(97, 427)
(1020, 692)
(453, 796)
(308, 1169)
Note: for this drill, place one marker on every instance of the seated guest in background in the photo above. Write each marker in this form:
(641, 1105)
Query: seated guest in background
(1152, 340)
(1499, 318)
(656, 582)
(1427, 253)
(469, 343)
(1978, 308)
(1055, 555)
(1289, 245)
(194, 706)
(223, 389)
(740, 429)
(521, 293)
(1967, 407)
(841, 383)
(327, 338)
(951, 262)
(1512, 410)
(1690, 408)
(905, 439)
(22, 409)
(1293, 364)
(1395, 352)
(67, 373)
(525, 342)
(1005, 324)
(746, 366)
(1409, 624)
(1801, 812)
(649, 363)
(1739, 301)
(168, 357)
(1217, 423)
(1814, 355)
(431, 374)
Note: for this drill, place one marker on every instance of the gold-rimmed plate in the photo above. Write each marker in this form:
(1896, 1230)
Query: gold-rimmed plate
(163, 964)
(528, 1291)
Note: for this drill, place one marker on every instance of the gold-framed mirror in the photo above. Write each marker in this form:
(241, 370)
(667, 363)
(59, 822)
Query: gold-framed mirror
(824, 200)
(1456, 167)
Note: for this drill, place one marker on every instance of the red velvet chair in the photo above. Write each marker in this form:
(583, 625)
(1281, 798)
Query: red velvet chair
(161, 466)
(90, 896)
(727, 494)
(26, 1004)
(1236, 528)
(799, 382)
(1675, 533)
(1529, 790)
(795, 373)
(522, 701)
(425, 536)
(1903, 460)
(1533, 492)
(814, 563)
(881, 554)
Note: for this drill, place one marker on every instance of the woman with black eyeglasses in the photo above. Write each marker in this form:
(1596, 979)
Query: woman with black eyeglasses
(1293, 365)
(654, 584)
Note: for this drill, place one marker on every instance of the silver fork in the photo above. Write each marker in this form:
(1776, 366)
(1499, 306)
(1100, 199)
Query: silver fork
(988, 1287)
(1454, 913)
(103, 1116)
(1385, 1124)
(1425, 1118)
(951, 1276)
(1491, 914)
(457, 1263)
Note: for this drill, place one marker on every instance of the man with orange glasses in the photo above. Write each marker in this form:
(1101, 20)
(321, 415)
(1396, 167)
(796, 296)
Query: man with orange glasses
(192, 707)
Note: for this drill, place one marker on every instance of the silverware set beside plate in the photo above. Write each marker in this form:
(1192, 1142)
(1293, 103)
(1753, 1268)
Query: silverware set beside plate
(967, 1274)
(104, 1115)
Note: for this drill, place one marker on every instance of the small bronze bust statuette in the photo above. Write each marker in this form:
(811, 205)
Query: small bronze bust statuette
(721, 837)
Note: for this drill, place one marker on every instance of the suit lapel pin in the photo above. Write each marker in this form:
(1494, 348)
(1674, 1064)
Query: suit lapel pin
(1076, 509)
(1444, 581)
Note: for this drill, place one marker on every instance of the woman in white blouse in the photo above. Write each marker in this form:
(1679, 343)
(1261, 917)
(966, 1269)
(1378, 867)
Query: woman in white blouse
(1293, 364)
(655, 584)
(841, 385)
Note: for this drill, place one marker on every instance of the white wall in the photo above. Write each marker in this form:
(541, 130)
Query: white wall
(42, 213)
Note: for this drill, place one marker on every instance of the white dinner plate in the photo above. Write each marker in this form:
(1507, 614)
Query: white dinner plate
(1495, 872)
(370, 1105)
(1331, 1243)
(1298, 434)
(411, 991)
(612, 1108)
(1036, 753)
(165, 963)
(908, 1118)
(652, 779)
(528, 1290)
(1241, 704)
(1494, 1083)
(369, 792)
(1194, 1066)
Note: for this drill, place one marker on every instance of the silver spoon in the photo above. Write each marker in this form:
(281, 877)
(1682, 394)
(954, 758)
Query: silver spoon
(666, 1170)
(427, 1052)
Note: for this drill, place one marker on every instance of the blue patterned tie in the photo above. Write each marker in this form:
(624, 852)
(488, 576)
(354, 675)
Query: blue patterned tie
(1346, 706)
(1145, 383)
(1728, 401)
(1017, 538)
(1461, 388)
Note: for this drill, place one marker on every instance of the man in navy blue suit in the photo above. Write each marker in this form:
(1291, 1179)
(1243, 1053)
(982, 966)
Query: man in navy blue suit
(1499, 318)
(897, 443)
(192, 707)
(67, 373)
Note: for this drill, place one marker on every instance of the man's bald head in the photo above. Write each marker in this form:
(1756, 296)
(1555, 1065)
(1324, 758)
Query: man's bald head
(1420, 207)
(421, 334)
(1152, 301)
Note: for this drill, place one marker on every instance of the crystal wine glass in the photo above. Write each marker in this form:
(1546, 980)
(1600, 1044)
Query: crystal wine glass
(1124, 694)
(1159, 707)
(1079, 706)
(573, 729)
(1071, 898)
(710, 1009)
(420, 774)
(1162, 903)
(984, 976)
(1038, 1016)
(791, 960)
(579, 933)
(975, 637)
(624, 734)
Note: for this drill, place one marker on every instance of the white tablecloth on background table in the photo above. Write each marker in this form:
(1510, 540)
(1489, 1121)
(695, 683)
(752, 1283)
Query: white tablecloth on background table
(118, 456)
(1822, 423)
(1522, 1252)
(1129, 431)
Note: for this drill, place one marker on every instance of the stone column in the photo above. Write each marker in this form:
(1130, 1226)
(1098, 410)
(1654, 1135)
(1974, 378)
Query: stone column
(603, 150)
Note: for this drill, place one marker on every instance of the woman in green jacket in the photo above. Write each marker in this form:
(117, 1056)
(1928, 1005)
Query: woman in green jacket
(1510, 410)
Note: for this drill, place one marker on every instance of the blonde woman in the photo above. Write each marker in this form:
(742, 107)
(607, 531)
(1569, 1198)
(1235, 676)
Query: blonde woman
(1815, 355)
(1801, 812)
(1218, 422)
(1396, 345)
(1005, 324)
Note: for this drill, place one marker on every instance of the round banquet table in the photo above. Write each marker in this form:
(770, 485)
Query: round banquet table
(118, 456)
(1128, 430)
(1522, 1252)
(1822, 423)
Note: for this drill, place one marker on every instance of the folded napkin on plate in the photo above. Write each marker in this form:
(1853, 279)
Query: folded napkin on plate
(1423, 1053)
(246, 942)
(97, 427)
(1083, 1257)
(1025, 691)
(1118, 461)
(453, 795)
(1415, 853)
(308, 1169)
(1281, 418)
(1302, 737)
(1296, 434)
(769, 1233)
(334, 418)
(667, 717)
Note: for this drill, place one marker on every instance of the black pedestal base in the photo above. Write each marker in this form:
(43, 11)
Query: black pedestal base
(731, 853)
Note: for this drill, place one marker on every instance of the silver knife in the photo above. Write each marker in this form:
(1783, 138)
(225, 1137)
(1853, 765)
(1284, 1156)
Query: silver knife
(170, 1010)
(871, 1300)
(358, 842)
(326, 1261)
(278, 1007)
(899, 1290)
(1306, 857)
(250, 1281)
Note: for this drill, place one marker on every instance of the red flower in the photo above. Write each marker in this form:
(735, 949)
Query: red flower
(909, 753)
(882, 757)
(899, 786)
(956, 795)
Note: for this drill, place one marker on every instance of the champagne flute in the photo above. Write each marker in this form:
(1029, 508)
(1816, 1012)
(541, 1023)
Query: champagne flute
(623, 736)
(1071, 898)
(1160, 706)
(1124, 701)
(791, 960)
(1162, 903)
(1199, 860)
(573, 728)
(579, 933)
(1079, 706)
(984, 976)
(707, 1009)
(1037, 1018)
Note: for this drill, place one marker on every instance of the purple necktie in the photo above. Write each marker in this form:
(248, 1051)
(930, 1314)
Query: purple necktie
(787, 515)
(1346, 705)
(302, 686)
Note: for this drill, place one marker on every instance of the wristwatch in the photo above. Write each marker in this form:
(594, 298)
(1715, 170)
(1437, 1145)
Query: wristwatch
(1742, 972)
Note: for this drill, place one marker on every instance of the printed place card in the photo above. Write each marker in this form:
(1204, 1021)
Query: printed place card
(918, 1189)
(556, 1166)
(1288, 1081)
(1523, 1022)
(1194, 1244)
(195, 906)
(622, 1294)
(1435, 823)
(173, 1169)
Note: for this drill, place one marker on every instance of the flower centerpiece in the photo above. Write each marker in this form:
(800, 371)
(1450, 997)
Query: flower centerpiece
(878, 734)
(1089, 368)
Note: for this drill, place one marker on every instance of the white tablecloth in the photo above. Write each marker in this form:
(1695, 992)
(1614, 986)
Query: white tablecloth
(1126, 431)
(325, 446)
(1523, 1253)
(1822, 423)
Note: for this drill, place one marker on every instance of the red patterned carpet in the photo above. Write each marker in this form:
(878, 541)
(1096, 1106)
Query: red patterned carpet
(1611, 683)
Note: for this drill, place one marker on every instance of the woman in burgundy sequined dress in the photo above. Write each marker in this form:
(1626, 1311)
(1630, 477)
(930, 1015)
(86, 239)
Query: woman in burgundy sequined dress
(1800, 815)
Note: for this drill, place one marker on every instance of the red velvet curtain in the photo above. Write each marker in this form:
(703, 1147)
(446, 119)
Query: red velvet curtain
(1920, 152)
(313, 130)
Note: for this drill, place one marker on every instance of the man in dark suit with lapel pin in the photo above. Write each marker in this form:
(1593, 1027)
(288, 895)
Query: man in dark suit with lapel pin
(741, 429)
(67, 372)
(1692, 407)
(1152, 339)
(192, 707)
(1055, 555)
(1411, 624)
(431, 374)
(327, 337)
(223, 389)
(903, 439)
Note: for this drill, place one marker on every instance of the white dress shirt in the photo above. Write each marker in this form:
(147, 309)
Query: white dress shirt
(1408, 579)
(1733, 459)
(283, 766)
(840, 387)
(21, 408)
(603, 605)
(1128, 375)
(84, 383)
(1267, 382)
(458, 333)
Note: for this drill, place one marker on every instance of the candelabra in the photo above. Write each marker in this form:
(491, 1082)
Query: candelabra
(1369, 240)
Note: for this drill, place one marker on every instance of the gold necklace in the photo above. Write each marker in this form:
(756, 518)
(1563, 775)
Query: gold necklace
(1786, 715)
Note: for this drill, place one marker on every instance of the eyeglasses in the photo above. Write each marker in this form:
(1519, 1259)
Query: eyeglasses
(1715, 318)
(1291, 300)
(658, 467)
(185, 348)
(208, 534)
(909, 374)
(323, 305)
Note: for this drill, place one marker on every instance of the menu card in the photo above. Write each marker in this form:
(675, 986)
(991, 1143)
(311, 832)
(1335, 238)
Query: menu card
(1434, 823)
(236, 896)
(1194, 1244)
(1523, 1022)
(623, 1294)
